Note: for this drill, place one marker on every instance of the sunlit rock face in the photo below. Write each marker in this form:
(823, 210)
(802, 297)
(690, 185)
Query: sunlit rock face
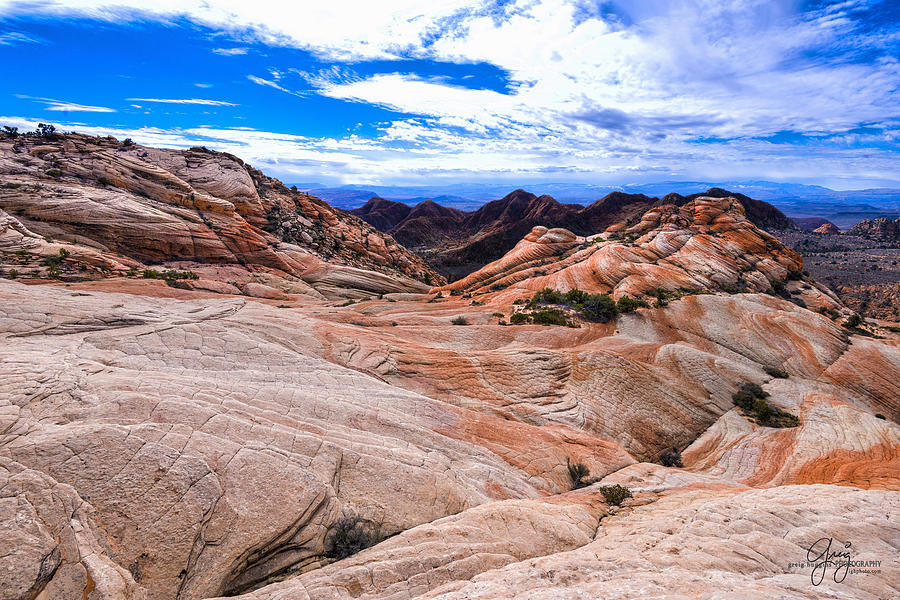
(113, 206)
(158, 442)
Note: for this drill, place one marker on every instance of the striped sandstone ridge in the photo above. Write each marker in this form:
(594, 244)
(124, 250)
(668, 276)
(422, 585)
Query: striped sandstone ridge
(704, 245)
(199, 445)
(113, 206)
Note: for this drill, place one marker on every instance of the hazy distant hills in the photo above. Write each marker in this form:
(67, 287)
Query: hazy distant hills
(843, 208)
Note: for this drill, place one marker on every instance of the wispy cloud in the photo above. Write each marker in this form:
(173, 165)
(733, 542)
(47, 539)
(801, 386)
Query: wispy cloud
(184, 101)
(64, 106)
(72, 107)
(15, 38)
(204, 85)
(230, 51)
(273, 84)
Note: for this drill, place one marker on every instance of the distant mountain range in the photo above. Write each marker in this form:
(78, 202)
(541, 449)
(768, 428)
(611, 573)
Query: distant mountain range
(843, 208)
(457, 242)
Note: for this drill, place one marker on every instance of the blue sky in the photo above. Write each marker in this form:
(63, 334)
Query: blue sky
(519, 91)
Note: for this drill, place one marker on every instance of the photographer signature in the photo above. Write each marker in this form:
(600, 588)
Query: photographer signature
(820, 556)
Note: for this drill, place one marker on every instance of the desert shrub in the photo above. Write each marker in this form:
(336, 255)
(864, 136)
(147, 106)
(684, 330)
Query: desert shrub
(777, 373)
(828, 312)
(496, 287)
(775, 417)
(46, 131)
(794, 275)
(550, 316)
(600, 308)
(779, 289)
(547, 296)
(273, 221)
(172, 277)
(518, 318)
(12, 132)
(853, 321)
(104, 180)
(128, 142)
(576, 296)
(747, 395)
(662, 294)
(752, 400)
(55, 173)
(499, 315)
(578, 473)
(627, 305)
(460, 320)
(615, 494)
(12, 274)
(519, 301)
(351, 534)
(762, 411)
(734, 288)
(670, 458)
(53, 262)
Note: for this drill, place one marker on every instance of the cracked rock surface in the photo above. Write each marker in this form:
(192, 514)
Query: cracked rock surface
(181, 445)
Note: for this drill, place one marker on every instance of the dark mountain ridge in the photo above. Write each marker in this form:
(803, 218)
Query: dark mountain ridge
(456, 242)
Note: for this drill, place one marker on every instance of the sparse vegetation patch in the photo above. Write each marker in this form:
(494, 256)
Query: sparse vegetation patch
(173, 278)
(578, 474)
(671, 458)
(751, 399)
(352, 534)
(599, 308)
(616, 494)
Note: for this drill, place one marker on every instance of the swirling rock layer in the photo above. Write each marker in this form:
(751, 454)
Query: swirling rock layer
(162, 443)
(114, 206)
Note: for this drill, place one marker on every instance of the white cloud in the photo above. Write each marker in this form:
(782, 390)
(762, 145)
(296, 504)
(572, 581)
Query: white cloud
(266, 82)
(411, 152)
(63, 106)
(345, 29)
(184, 101)
(230, 51)
(590, 95)
(72, 107)
(14, 38)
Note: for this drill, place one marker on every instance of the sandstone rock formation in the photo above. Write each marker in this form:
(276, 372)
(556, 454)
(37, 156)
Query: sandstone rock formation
(185, 442)
(880, 228)
(704, 246)
(114, 206)
(458, 243)
(827, 228)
